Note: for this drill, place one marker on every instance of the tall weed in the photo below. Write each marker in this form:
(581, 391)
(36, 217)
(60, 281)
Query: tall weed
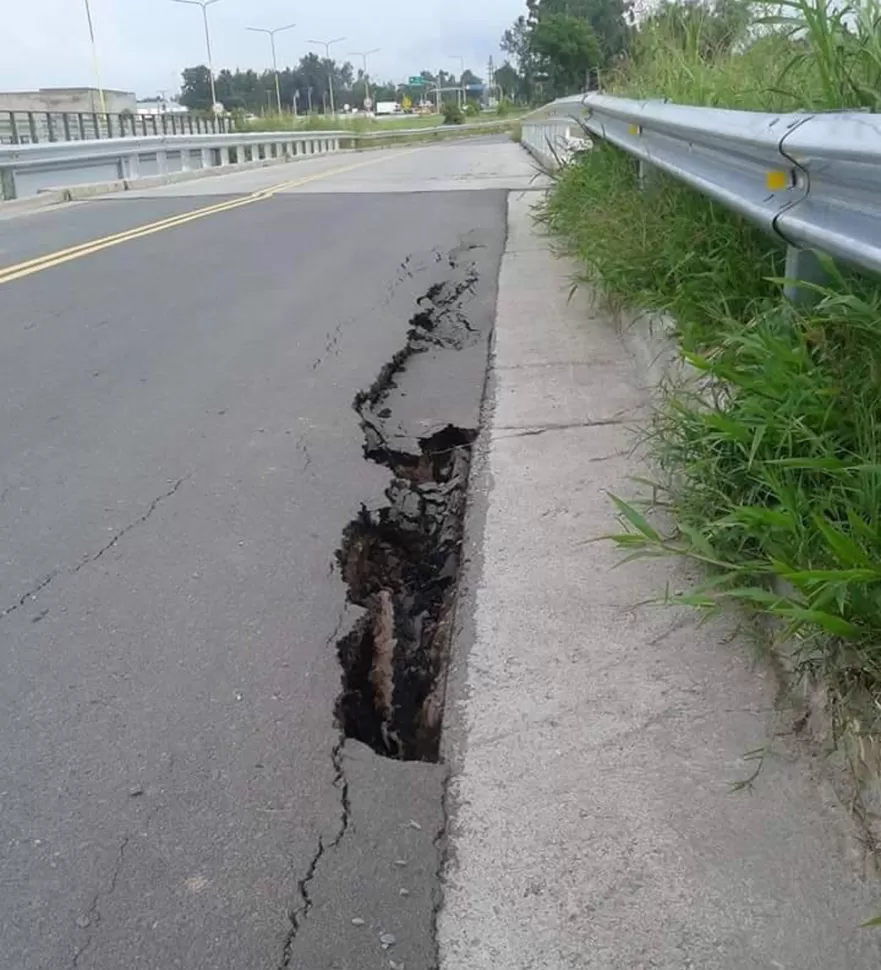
(771, 462)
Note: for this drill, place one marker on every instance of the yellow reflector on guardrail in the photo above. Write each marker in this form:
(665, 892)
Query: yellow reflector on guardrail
(778, 179)
(635, 130)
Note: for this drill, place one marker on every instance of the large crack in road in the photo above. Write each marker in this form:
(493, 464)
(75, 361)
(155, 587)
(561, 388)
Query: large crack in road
(401, 562)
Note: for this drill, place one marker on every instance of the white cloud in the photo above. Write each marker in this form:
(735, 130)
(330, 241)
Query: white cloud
(144, 44)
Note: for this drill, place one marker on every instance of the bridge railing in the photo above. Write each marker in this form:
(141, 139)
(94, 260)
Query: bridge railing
(811, 180)
(40, 127)
(26, 170)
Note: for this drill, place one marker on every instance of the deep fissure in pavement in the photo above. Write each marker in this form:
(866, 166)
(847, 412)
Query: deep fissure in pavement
(401, 562)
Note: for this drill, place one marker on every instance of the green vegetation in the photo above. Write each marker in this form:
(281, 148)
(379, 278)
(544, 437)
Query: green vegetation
(453, 114)
(412, 128)
(314, 122)
(768, 453)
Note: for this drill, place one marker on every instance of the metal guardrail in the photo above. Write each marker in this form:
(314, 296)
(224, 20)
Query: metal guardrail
(26, 170)
(812, 180)
(38, 127)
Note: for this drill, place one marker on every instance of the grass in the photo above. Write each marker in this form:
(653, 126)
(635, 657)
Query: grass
(795, 55)
(769, 463)
(360, 125)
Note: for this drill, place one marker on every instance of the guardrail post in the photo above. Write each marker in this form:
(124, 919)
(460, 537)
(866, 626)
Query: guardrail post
(65, 120)
(14, 127)
(7, 184)
(162, 161)
(32, 125)
(50, 127)
(130, 167)
(645, 173)
(207, 161)
(802, 266)
(81, 124)
(224, 155)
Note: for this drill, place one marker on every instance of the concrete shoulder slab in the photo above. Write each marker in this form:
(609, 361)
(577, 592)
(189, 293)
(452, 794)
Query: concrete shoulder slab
(594, 741)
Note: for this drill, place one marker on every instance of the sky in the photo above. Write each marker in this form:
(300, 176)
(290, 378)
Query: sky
(144, 44)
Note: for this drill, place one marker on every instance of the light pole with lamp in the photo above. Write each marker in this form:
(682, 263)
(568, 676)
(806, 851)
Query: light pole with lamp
(365, 55)
(327, 44)
(272, 32)
(205, 4)
(101, 100)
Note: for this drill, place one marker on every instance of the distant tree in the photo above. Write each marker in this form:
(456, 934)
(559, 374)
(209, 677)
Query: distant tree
(609, 20)
(195, 91)
(571, 50)
(559, 46)
(517, 42)
(508, 81)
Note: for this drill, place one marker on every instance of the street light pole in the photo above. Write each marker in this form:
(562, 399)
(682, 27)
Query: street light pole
(272, 32)
(326, 44)
(205, 4)
(461, 92)
(365, 55)
(95, 64)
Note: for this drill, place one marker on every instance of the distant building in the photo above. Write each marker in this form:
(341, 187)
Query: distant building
(85, 100)
(160, 106)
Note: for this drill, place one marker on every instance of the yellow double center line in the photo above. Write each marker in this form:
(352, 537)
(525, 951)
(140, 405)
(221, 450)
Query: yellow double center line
(19, 270)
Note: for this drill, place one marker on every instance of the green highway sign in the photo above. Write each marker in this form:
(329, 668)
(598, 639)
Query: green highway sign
(417, 82)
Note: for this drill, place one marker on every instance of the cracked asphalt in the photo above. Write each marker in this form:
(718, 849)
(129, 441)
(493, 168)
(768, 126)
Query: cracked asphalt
(179, 458)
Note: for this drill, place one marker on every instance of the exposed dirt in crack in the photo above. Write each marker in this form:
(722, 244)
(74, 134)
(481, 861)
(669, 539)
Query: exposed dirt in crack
(401, 562)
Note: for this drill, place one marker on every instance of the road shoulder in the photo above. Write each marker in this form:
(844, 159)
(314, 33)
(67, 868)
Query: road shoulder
(593, 739)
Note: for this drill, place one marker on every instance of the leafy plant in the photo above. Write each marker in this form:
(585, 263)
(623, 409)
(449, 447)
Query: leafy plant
(768, 454)
(453, 114)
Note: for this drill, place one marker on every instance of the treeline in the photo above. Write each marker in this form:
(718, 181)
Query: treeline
(307, 86)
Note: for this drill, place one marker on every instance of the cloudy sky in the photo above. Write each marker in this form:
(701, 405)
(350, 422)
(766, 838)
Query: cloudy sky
(144, 44)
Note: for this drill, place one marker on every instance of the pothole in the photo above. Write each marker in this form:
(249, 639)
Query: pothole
(401, 562)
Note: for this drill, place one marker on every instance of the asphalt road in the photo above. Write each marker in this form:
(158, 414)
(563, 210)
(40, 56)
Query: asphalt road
(178, 458)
